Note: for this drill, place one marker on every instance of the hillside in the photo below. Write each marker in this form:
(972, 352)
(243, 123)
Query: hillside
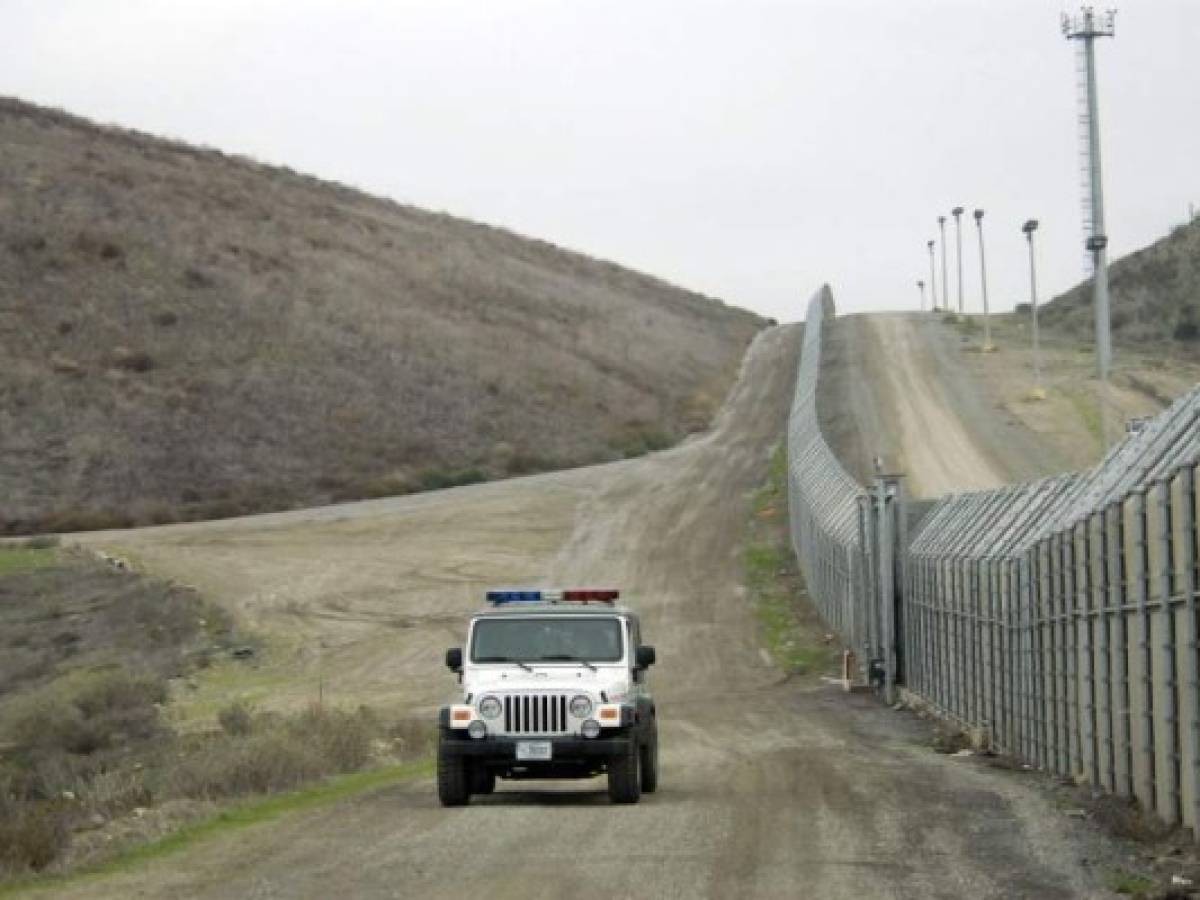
(1155, 296)
(187, 334)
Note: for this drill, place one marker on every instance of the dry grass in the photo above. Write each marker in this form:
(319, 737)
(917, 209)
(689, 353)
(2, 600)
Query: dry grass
(86, 741)
(192, 335)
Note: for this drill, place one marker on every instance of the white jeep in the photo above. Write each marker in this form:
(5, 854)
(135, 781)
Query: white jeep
(554, 686)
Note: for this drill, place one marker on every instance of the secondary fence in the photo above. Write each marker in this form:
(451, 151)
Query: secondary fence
(842, 534)
(1057, 617)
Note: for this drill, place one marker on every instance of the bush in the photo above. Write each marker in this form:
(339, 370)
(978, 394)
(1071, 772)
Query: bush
(132, 360)
(32, 835)
(1187, 328)
(86, 711)
(253, 764)
(236, 719)
(342, 739)
(276, 754)
(436, 479)
(42, 542)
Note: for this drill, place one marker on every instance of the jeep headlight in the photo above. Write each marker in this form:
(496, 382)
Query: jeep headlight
(581, 706)
(490, 707)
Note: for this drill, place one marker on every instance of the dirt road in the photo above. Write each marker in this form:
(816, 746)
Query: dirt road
(900, 388)
(771, 787)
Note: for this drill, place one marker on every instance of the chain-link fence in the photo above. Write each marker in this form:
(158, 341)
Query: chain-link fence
(830, 534)
(1057, 617)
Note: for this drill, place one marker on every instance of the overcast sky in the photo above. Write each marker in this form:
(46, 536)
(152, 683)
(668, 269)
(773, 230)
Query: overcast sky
(751, 150)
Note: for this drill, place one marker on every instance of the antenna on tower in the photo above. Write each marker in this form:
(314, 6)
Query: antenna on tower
(1085, 27)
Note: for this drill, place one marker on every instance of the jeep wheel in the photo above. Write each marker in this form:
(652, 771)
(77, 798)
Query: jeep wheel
(649, 763)
(482, 781)
(452, 786)
(624, 784)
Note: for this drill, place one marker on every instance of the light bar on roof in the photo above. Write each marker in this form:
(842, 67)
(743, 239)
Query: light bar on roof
(574, 595)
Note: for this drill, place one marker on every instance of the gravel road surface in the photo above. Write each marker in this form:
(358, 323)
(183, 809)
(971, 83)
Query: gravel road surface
(771, 787)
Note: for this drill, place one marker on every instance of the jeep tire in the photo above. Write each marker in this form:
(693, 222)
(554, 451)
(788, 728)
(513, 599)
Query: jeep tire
(624, 782)
(453, 787)
(482, 781)
(649, 762)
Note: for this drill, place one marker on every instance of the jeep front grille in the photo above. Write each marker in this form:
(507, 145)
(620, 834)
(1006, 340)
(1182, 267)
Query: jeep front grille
(535, 714)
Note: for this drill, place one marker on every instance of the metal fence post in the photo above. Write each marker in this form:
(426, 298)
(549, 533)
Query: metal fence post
(1187, 548)
(1170, 684)
(1141, 546)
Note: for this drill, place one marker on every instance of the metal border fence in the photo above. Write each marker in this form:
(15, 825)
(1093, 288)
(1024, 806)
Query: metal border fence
(824, 503)
(1057, 617)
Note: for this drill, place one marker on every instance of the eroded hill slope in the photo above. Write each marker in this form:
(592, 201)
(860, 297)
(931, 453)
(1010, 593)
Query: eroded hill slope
(187, 334)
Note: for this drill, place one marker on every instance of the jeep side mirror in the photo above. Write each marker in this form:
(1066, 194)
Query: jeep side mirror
(644, 657)
(454, 659)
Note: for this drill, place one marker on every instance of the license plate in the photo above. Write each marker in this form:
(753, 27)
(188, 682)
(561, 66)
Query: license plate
(527, 750)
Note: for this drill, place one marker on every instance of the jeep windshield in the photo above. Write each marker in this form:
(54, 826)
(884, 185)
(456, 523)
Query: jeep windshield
(549, 639)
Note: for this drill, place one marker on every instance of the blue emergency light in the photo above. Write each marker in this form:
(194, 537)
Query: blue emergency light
(499, 597)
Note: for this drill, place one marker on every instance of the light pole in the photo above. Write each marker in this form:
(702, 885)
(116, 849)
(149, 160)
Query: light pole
(932, 276)
(957, 213)
(1029, 228)
(987, 322)
(945, 280)
(921, 286)
(1086, 27)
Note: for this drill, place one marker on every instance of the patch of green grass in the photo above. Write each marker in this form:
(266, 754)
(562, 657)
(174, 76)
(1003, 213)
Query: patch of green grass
(16, 558)
(1088, 410)
(235, 818)
(1129, 883)
(790, 628)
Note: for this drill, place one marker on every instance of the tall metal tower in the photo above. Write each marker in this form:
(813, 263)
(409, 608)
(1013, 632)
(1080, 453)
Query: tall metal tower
(1085, 27)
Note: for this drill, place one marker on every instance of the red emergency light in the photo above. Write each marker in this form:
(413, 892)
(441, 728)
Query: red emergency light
(586, 595)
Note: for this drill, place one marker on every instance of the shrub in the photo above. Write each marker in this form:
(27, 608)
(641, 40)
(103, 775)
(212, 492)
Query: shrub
(436, 479)
(254, 764)
(1187, 328)
(32, 835)
(85, 711)
(42, 542)
(132, 360)
(342, 739)
(197, 278)
(236, 719)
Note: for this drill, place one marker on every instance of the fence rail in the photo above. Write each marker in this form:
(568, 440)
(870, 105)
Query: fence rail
(1058, 616)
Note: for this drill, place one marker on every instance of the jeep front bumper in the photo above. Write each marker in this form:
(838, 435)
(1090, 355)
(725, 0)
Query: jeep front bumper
(504, 749)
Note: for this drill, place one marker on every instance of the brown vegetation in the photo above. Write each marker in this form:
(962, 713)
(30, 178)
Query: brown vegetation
(1155, 297)
(89, 658)
(191, 335)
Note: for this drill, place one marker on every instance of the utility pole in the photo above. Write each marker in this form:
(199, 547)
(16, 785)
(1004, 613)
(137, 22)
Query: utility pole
(957, 213)
(945, 280)
(988, 347)
(1039, 393)
(1085, 28)
(932, 276)
(921, 286)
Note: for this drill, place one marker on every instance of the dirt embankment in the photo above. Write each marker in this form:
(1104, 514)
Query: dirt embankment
(772, 787)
